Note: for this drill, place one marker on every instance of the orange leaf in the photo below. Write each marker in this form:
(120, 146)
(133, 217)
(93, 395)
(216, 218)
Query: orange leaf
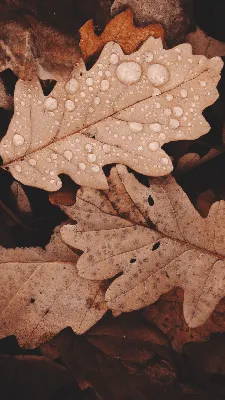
(120, 29)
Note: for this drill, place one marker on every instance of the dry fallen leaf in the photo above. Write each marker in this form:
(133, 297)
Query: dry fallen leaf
(169, 13)
(41, 293)
(192, 160)
(155, 238)
(121, 358)
(120, 29)
(6, 101)
(121, 111)
(38, 50)
(203, 44)
(167, 315)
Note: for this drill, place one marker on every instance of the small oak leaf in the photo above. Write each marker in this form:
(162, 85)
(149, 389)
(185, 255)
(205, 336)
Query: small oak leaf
(120, 29)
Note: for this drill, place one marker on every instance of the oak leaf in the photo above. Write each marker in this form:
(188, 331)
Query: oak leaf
(155, 238)
(41, 293)
(120, 29)
(121, 111)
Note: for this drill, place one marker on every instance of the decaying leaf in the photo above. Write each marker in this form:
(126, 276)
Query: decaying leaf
(21, 199)
(155, 238)
(121, 111)
(41, 293)
(121, 358)
(170, 13)
(192, 160)
(120, 29)
(203, 44)
(38, 50)
(6, 101)
(167, 315)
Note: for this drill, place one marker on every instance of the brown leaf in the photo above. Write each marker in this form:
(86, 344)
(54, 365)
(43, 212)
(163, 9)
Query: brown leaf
(37, 378)
(38, 50)
(121, 30)
(203, 44)
(151, 243)
(120, 359)
(41, 293)
(167, 315)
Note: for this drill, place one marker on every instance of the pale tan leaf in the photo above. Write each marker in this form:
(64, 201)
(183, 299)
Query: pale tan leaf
(173, 247)
(123, 110)
(41, 293)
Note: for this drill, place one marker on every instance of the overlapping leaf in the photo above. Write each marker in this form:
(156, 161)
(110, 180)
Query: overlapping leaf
(41, 293)
(121, 111)
(155, 238)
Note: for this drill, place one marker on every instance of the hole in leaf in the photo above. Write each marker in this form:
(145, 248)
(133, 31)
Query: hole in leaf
(32, 300)
(47, 86)
(132, 260)
(1, 161)
(156, 246)
(150, 200)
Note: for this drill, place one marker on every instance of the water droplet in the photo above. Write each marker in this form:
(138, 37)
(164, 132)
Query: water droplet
(202, 83)
(97, 100)
(82, 94)
(155, 127)
(167, 112)
(68, 155)
(95, 168)
(165, 160)
(162, 136)
(104, 85)
(174, 123)
(140, 148)
(91, 110)
(196, 97)
(178, 50)
(82, 166)
(158, 74)
(106, 148)
(72, 86)
(89, 81)
(18, 140)
(32, 162)
(89, 147)
(129, 72)
(108, 73)
(156, 92)
(154, 146)
(135, 126)
(91, 157)
(100, 73)
(169, 97)
(114, 59)
(178, 111)
(149, 57)
(51, 103)
(184, 93)
(69, 105)
(54, 156)
(18, 168)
